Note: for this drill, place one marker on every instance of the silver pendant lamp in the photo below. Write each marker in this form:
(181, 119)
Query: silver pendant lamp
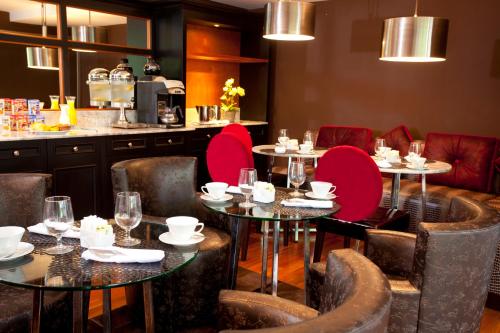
(414, 39)
(42, 57)
(289, 20)
(85, 34)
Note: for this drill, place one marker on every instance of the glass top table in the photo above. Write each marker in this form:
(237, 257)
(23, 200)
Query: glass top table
(70, 272)
(267, 212)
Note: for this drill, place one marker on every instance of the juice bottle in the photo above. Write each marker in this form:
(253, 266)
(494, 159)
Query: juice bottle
(54, 102)
(70, 100)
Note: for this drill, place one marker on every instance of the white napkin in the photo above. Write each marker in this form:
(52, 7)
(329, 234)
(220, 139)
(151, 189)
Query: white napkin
(383, 164)
(233, 190)
(307, 203)
(123, 256)
(41, 229)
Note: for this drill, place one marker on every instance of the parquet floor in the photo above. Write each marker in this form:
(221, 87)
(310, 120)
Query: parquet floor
(291, 272)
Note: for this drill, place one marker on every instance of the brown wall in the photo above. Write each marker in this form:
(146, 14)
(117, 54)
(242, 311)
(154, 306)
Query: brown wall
(338, 79)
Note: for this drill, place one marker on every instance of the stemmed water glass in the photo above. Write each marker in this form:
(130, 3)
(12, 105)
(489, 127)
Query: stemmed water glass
(415, 149)
(283, 136)
(379, 143)
(297, 176)
(246, 181)
(128, 215)
(308, 138)
(58, 218)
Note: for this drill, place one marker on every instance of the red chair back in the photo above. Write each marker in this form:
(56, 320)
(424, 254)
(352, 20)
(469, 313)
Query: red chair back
(226, 155)
(242, 132)
(358, 181)
(333, 136)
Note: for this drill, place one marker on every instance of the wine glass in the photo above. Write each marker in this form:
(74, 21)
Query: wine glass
(297, 175)
(58, 218)
(246, 181)
(128, 215)
(283, 136)
(308, 138)
(379, 143)
(415, 149)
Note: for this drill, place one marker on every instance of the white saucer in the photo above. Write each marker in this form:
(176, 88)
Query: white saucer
(305, 152)
(22, 250)
(208, 198)
(167, 238)
(311, 195)
(413, 167)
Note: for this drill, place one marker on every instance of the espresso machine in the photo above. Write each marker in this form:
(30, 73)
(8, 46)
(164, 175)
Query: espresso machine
(161, 102)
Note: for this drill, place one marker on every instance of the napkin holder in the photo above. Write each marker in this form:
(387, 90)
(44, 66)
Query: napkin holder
(264, 192)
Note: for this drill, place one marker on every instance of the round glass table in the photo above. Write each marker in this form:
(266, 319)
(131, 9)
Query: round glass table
(276, 213)
(70, 272)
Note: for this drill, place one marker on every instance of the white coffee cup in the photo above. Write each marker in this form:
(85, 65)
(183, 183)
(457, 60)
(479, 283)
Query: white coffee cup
(382, 151)
(306, 148)
(418, 162)
(183, 227)
(9, 239)
(215, 190)
(392, 156)
(322, 189)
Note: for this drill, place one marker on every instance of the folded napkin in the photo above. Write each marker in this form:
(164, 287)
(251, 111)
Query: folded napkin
(41, 229)
(383, 164)
(233, 190)
(123, 256)
(307, 203)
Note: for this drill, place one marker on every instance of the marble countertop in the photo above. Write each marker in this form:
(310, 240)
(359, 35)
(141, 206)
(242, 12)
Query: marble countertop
(108, 131)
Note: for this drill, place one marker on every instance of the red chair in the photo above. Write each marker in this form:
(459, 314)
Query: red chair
(242, 132)
(359, 191)
(226, 155)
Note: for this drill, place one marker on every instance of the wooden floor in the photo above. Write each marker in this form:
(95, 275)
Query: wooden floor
(291, 272)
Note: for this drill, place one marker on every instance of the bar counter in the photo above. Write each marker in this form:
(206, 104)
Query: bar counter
(110, 131)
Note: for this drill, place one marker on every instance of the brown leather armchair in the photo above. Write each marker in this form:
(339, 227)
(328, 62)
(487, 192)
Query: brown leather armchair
(167, 185)
(356, 297)
(439, 277)
(21, 203)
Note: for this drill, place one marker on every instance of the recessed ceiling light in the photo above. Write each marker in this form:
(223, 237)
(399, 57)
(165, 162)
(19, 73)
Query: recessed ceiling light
(216, 25)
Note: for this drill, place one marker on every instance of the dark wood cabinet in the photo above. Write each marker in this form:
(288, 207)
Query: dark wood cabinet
(23, 156)
(76, 167)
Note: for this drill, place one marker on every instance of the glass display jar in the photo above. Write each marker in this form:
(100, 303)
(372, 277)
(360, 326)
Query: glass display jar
(99, 87)
(122, 88)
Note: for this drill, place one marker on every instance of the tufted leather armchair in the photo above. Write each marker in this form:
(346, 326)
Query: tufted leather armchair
(355, 298)
(21, 204)
(167, 185)
(439, 277)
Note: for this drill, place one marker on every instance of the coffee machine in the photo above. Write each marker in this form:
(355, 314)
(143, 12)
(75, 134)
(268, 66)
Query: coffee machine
(161, 102)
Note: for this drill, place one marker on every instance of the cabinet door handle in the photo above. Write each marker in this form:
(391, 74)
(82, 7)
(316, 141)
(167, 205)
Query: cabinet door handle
(209, 136)
(16, 153)
(130, 145)
(75, 149)
(170, 141)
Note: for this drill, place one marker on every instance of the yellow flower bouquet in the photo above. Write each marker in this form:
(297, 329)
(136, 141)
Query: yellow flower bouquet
(229, 99)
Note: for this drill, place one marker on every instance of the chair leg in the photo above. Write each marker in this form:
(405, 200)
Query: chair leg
(357, 245)
(286, 233)
(245, 237)
(347, 242)
(318, 245)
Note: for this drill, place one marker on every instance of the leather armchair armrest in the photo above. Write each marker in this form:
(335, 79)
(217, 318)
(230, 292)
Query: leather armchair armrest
(391, 251)
(317, 272)
(248, 310)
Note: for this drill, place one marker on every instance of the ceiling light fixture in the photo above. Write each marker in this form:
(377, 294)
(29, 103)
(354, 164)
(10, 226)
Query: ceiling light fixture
(42, 57)
(415, 39)
(289, 20)
(84, 34)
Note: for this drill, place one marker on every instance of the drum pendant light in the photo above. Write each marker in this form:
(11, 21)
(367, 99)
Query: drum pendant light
(289, 20)
(414, 39)
(42, 57)
(85, 34)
